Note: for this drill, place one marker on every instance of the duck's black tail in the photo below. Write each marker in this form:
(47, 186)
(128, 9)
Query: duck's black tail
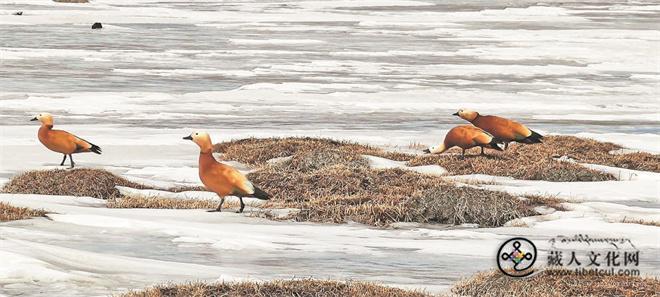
(534, 138)
(261, 194)
(95, 149)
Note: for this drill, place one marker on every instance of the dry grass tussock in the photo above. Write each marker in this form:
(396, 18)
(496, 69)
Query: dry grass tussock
(12, 213)
(162, 203)
(549, 283)
(346, 189)
(256, 151)
(95, 183)
(640, 222)
(552, 283)
(85, 182)
(537, 162)
(530, 162)
(276, 288)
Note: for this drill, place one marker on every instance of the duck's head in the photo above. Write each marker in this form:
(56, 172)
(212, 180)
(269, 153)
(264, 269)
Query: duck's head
(466, 114)
(202, 139)
(436, 149)
(44, 117)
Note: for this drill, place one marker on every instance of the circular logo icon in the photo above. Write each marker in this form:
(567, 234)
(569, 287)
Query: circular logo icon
(516, 257)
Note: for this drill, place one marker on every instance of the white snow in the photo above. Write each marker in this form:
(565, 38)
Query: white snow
(645, 190)
(383, 163)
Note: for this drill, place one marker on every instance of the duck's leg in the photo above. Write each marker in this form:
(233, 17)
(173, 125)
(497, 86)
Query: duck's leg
(219, 209)
(242, 205)
(71, 159)
(463, 154)
(482, 151)
(64, 159)
(506, 145)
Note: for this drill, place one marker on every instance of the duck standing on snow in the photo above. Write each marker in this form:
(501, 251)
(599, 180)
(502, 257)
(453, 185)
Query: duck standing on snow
(504, 130)
(465, 137)
(222, 179)
(62, 141)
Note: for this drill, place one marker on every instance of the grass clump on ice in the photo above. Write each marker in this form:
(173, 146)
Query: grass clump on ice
(529, 162)
(346, 189)
(161, 203)
(547, 283)
(83, 182)
(556, 283)
(256, 151)
(87, 182)
(12, 213)
(641, 222)
(275, 288)
(537, 162)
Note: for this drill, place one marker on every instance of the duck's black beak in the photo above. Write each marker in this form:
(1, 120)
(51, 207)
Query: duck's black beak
(427, 151)
(34, 119)
(456, 114)
(189, 137)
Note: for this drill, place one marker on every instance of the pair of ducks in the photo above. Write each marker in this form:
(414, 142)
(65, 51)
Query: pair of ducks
(222, 179)
(225, 180)
(485, 131)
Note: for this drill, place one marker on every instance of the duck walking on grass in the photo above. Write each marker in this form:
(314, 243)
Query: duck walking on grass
(504, 130)
(220, 178)
(465, 137)
(62, 141)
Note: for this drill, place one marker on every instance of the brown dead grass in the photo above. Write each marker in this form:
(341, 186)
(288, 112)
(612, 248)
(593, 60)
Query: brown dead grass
(552, 283)
(95, 183)
(85, 182)
(339, 193)
(537, 162)
(514, 166)
(276, 288)
(640, 222)
(12, 213)
(591, 151)
(161, 203)
(256, 151)
(529, 162)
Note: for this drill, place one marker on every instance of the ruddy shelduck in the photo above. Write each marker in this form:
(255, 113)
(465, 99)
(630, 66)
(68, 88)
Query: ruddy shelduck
(220, 178)
(504, 130)
(61, 141)
(465, 137)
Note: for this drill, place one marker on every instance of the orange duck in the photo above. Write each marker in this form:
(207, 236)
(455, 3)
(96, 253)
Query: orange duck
(61, 141)
(465, 137)
(222, 179)
(504, 130)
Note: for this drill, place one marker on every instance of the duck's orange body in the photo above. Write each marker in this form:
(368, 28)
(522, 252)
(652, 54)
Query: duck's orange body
(61, 141)
(501, 128)
(465, 137)
(504, 130)
(222, 179)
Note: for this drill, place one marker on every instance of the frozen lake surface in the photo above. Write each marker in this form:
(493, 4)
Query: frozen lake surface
(385, 72)
(317, 66)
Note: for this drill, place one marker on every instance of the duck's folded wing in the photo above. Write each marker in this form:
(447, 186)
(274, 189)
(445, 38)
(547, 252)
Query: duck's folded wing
(241, 184)
(85, 146)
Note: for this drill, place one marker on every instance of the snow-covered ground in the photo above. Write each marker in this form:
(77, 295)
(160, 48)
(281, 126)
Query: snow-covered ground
(387, 72)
